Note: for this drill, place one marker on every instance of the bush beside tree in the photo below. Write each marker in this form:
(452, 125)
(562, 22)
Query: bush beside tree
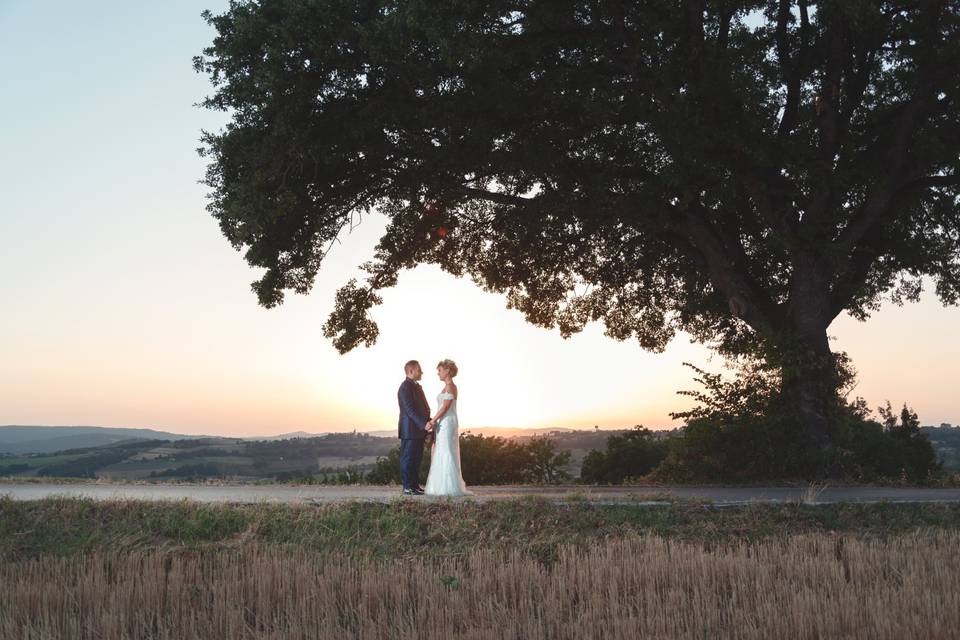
(740, 431)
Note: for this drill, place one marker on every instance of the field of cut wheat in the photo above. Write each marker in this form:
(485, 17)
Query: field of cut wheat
(804, 586)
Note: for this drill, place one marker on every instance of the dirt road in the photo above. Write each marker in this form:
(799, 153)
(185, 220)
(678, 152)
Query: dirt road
(321, 494)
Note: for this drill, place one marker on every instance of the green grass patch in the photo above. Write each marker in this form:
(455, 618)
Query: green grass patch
(407, 528)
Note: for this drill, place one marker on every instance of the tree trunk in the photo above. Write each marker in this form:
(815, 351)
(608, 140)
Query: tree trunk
(809, 391)
(810, 380)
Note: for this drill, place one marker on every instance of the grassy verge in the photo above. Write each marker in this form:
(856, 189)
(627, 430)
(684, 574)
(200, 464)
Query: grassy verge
(406, 529)
(948, 481)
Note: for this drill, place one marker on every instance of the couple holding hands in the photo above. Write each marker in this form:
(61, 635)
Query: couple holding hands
(416, 426)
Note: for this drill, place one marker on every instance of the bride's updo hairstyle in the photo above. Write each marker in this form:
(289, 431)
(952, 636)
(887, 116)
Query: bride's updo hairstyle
(449, 365)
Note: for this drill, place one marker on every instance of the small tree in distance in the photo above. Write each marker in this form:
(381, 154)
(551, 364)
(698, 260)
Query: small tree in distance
(545, 464)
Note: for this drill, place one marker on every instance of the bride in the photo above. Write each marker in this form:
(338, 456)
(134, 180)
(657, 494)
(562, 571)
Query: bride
(445, 478)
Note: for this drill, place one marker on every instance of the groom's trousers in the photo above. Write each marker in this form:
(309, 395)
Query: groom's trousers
(411, 455)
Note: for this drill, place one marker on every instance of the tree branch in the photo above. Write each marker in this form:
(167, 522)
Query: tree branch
(723, 30)
(829, 125)
(493, 196)
(864, 255)
(772, 194)
(936, 182)
(830, 93)
(850, 280)
(789, 70)
(694, 18)
(726, 263)
(881, 195)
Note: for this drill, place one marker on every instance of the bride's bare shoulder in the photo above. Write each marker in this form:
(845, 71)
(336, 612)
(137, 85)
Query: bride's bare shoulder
(450, 388)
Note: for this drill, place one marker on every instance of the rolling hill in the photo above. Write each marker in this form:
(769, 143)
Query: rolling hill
(41, 439)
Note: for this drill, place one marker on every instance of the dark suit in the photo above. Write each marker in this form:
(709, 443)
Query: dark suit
(414, 416)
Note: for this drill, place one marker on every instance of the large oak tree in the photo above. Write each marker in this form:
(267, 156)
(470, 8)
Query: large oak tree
(741, 171)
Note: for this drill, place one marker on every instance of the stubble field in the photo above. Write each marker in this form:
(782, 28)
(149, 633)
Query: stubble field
(519, 569)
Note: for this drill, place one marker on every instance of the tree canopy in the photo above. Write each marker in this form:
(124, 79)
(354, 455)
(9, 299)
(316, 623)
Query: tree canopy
(740, 171)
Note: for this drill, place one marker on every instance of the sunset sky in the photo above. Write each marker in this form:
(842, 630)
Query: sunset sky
(122, 304)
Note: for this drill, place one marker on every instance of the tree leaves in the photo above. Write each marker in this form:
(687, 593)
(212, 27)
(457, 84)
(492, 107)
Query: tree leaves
(731, 172)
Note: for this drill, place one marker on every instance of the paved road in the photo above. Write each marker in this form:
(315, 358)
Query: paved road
(322, 494)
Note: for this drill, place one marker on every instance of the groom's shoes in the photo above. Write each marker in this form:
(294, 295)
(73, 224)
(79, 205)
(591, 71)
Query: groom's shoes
(412, 492)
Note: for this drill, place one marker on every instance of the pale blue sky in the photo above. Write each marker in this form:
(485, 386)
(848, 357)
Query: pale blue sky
(124, 306)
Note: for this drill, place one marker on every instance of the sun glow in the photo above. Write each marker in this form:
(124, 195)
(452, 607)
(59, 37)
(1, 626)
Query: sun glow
(512, 374)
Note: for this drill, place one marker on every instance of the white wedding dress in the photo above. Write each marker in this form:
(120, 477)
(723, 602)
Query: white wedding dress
(445, 478)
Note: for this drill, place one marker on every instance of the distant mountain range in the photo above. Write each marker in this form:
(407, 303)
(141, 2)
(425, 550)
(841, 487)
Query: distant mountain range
(42, 439)
(39, 439)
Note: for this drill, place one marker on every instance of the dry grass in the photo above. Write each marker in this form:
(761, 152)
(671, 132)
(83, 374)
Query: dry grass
(811, 494)
(804, 586)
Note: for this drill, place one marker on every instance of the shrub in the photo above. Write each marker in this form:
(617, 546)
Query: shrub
(887, 450)
(488, 460)
(629, 455)
(387, 468)
(742, 431)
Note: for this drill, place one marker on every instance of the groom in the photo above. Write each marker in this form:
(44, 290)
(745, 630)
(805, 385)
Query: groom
(414, 426)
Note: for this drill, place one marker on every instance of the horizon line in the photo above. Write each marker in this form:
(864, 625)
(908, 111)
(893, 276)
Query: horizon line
(323, 432)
